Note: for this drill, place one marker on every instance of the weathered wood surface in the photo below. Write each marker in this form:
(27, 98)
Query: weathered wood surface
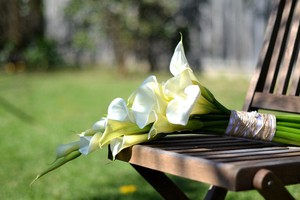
(218, 160)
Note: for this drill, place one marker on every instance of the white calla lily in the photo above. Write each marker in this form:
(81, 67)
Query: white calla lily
(180, 108)
(115, 129)
(120, 143)
(118, 110)
(187, 96)
(146, 101)
(162, 127)
(183, 94)
(100, 125)
(178, 61)
(174, 86)
(89, 144)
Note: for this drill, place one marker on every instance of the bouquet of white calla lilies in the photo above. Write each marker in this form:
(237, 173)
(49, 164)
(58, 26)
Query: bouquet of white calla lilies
(156, 109)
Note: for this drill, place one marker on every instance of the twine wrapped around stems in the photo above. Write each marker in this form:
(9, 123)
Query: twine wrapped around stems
(252, 125)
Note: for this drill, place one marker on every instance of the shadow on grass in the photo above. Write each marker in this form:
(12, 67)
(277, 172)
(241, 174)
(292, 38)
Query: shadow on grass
(192, 189)
(15, 110)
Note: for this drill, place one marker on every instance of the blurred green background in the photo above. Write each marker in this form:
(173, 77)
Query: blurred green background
(63, 61)
(47, 35)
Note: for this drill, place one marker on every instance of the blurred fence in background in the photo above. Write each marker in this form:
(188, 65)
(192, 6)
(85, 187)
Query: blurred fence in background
(138, 35)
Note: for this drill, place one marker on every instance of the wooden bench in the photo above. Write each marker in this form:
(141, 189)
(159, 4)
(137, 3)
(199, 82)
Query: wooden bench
(238, 164)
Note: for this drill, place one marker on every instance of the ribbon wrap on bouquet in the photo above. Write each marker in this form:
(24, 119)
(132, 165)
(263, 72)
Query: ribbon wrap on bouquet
(252, 125)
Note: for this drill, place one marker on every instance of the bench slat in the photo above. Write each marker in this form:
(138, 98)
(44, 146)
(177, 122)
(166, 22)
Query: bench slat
(270, 80)
(295, 80)
(276, 102)
(222, 168)
(291, 51)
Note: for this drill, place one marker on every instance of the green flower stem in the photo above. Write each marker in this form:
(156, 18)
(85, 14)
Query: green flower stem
(58, 163)
(289, 124)
(288, 118)
(285, 141)
(212, 116)
(215, 130)
(210, 97)
(287, 135)
(222, 108)
(194, 124)
(288, 129)
(219, 123)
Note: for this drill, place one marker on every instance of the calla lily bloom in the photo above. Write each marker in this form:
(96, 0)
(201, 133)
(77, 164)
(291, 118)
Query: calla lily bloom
(178, 61)
(180, 108)
(120, 121)
(118, 110)
(65, 149)
(89, 144)
(100, 125)
(115, 129)
(89, 139)
(120, 143)
(163, 127)
(188, 96)
(183, 94)
(147, 101)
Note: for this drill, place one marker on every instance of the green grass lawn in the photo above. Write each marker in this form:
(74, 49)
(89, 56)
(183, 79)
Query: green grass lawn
(39, 111)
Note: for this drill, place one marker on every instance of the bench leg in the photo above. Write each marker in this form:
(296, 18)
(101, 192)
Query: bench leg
(216, 193)
(161, 183)
(269, 186)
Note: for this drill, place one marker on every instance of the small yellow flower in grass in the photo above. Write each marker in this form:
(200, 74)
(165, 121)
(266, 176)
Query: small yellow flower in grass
(127, 189)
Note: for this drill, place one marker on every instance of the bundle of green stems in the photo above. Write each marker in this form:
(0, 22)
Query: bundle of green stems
(287, 126)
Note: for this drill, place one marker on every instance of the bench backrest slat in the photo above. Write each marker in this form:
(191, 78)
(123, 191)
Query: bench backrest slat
(276, 84)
